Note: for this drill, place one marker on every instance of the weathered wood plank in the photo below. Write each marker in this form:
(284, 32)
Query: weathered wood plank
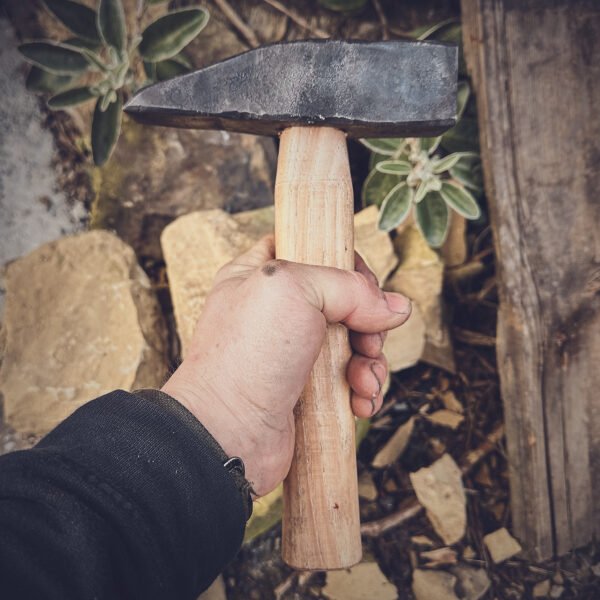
(536, 70)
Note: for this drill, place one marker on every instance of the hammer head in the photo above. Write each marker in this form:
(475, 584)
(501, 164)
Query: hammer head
(367, 89)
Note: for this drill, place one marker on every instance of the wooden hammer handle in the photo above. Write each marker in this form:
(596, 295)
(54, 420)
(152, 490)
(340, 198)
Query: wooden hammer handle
(314, 225)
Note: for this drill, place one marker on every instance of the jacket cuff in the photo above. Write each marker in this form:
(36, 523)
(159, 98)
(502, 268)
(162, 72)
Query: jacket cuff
(233, 465)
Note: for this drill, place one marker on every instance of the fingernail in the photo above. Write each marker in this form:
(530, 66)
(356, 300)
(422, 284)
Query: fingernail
(398, 303)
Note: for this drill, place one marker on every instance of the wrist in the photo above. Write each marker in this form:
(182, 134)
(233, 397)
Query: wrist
(227, 426)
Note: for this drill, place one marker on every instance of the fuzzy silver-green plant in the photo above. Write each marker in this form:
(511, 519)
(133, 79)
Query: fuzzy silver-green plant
(103, 47)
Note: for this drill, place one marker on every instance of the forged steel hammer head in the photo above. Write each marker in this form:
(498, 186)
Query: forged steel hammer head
(367, 89)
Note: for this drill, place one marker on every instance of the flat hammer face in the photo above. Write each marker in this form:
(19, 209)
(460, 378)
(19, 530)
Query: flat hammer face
(366, 89)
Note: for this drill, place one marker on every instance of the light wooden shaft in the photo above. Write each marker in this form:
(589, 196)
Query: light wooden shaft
(314, 225)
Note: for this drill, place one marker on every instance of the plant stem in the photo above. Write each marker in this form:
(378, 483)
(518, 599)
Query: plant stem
(233, 17)
(299, 20)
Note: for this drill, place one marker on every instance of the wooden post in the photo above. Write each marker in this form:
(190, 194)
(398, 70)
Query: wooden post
(536, 70)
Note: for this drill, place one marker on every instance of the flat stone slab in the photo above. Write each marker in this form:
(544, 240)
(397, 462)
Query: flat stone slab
(80, 320)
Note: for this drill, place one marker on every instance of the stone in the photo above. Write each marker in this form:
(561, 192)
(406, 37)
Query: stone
(366, 486)
(420, 277)
(454, 250)
(439, 489)
(433, 585)
(421, 540)
(195, 247)
(216, 591)
(446, 418)
(395, 446)
(33, 211)
(405, 345)
(501, 545)
(451, 402)
(81, 320)
(542, 589)
(374, 245)
(157, 174)
(365, 581)
(439, 557)
(473, 583)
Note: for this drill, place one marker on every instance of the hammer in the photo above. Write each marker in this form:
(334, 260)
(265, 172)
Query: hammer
(313, 94)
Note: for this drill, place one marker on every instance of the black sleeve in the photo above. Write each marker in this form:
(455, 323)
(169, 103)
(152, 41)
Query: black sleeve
(127, 498)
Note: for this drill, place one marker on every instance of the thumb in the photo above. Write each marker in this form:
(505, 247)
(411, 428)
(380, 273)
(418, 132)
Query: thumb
(346, 297)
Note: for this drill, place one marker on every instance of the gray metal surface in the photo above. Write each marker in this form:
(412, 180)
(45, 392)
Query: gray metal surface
(368, 89)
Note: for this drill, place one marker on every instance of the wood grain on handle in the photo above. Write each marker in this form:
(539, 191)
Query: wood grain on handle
(314, 225)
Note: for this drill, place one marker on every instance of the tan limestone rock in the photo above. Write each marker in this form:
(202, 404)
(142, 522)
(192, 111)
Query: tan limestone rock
(374, 245)
(365, 581)
(404, 346)
(439, 489)
(474, 583)
(420, 277)
(195, 247)
(446, 418)
(395, 446)
(501, 545)
(454, 250)
(216, 591)
(80, 320)
(433, 585)
(439, 557)
(366, 486)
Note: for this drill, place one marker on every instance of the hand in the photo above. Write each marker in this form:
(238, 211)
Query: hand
(259, 335)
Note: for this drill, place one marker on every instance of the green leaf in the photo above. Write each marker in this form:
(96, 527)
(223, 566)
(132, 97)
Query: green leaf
(111, 24)
(468, 172)
(375, 159)
(82, 43)
(150, 70)
(432, 219)
(446, 163)
(421, 191)
(430, 144)
(463, 137)
(94, 60)
(166, 69)
(396, 207)
(55, 58)
(376, 187)
(394, 167)
(168, 35)
(385, 146)
(71, 97)
(343, 5)
(43, 82)
(427, 31)
(460, 200)
(76, 17)
(462, 97)
(106, 126)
